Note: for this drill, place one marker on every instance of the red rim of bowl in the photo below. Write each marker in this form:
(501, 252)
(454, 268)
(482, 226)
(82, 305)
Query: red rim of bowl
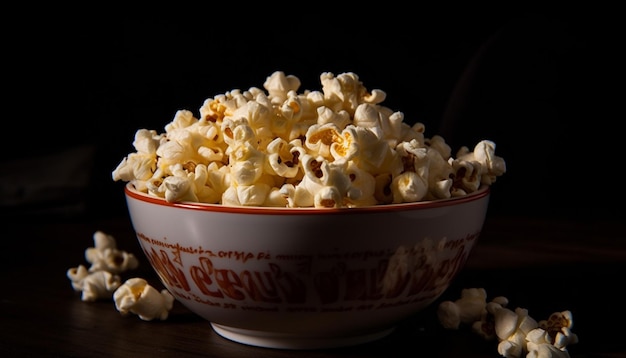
(131, 192)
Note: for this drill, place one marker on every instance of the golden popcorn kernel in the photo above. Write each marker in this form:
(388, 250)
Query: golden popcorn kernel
(342, 144)
(211, 118)
(229, 133)
(219, 110)
(295, 106)
(136, 291)
(190, 167)
(327, 137)
(555, 323)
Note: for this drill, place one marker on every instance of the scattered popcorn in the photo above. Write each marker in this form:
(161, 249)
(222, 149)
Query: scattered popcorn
(101, 281)
(138, 297)
(467, 309)
(330, 148)
(517, 333)
(485, 327)
(539, 346)
(559, 328)
(106, 257)
(94, 285)
(511, 328)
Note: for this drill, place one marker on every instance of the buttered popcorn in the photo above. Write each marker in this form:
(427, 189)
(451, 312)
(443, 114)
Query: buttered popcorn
(138, 297)
(518, 334)
(102, 278)
(105, 256)
(102, 281)
(330, 148)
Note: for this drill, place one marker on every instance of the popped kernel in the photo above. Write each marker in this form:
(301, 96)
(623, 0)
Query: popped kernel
(467, 309)
(517, 333)
(102, 281)
(539, 345)
(105, 256)
(558, 328)
(258, 141)
(93, 285)
(138, 297)
(102, 278)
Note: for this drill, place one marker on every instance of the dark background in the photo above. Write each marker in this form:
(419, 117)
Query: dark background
(540, 84)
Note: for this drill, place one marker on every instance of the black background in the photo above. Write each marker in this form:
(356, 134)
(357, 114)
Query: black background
(541, 83)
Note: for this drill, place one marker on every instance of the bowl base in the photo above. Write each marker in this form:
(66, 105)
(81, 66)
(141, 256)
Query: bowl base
(295, 341)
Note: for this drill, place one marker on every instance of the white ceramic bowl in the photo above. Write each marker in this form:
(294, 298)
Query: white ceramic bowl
(306, 278)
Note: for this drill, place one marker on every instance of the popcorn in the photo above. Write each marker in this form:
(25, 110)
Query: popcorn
(266, 148)
(467, 309)
(511, 328)
(558, 328)
(105, 256)
(517, 333)
(93, 285)
(138, 297)
(138, 167)
(282, 158)
(538, 344)
(491, 165)
(319, 139)
(101, 279)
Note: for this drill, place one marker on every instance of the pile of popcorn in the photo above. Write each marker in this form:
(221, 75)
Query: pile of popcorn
(329, 148)
(517, 333)
(102, 280)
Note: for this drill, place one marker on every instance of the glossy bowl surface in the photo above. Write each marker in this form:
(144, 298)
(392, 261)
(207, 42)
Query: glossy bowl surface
(306, 278)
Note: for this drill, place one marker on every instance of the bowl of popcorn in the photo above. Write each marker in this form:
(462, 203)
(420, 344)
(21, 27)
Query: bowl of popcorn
(305, 219)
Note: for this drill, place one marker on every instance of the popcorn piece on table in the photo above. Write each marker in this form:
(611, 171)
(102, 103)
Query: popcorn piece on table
(105, 256)
(94, 285)
(485, 327)
(538, 345)
(516, 331)
(138, 297)
(511, 328)
(467, 309)
(559, 328)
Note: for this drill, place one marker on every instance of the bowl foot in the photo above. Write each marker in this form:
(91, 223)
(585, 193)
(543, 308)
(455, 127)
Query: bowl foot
(295, 341)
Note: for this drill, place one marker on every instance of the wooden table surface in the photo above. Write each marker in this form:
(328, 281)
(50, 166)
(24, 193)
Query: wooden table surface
(543, 265)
